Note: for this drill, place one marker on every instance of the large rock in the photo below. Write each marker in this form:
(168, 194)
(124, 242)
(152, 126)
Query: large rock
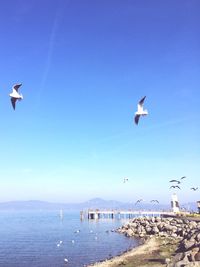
(158, 219)
(193, 253)
(183, 262)
(129, 232)
(187, 231)
(155, 230)
(188, 244)
(148, 229)
(197, 256)
(197, 237)
(192, 225)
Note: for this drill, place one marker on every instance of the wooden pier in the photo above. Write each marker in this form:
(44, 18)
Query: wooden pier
(120, 214)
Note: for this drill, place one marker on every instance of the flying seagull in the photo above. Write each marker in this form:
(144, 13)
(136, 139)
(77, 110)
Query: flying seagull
(138, 201)
(175, 181)
(183, 177)
(174, 186)
(154, 200)
(15, 95)
(140, 111)
(125, 180)
(194, 188)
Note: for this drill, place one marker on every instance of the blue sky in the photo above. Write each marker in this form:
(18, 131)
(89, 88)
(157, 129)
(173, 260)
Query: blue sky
(83, 66)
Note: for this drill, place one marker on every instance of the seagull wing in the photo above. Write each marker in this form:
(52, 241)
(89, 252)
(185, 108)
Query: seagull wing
(137, 119)
(155, 200)
(175, 181)
(13, 101)
(193, 188)
(16, 86)
(142, 101)
(178, 186)
(183, 177)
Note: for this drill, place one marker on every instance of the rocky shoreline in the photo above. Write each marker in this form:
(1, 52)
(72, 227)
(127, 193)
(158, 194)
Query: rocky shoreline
(187, 233)
(168, 242)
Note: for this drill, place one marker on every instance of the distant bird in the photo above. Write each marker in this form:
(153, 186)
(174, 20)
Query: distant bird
(77, 231)
(66, 260)
(174, 186)
(175, 181)
(154, 200)
(183, 177)
(15, 95)
(140, 111)
(73, 241)
(138, 201)
(60, 242)
(125, 180)
(194, 188)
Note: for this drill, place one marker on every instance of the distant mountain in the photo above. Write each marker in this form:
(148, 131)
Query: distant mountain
(28, 205)
(95, 203)
(98, 203)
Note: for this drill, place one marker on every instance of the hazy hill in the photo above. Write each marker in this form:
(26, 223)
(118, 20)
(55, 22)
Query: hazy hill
(96, 203)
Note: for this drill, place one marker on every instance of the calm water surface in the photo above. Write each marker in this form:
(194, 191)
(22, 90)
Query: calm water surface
(29, 239)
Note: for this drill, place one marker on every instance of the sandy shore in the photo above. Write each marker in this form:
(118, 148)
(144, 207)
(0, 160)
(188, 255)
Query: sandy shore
(152, 253)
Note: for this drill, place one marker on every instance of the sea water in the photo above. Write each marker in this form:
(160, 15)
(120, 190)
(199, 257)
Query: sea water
(43, 238)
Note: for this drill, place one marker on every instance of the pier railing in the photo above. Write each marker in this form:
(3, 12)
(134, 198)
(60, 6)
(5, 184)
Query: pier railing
(120, 214)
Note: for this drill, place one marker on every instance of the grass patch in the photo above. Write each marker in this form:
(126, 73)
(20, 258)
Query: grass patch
(165, 249)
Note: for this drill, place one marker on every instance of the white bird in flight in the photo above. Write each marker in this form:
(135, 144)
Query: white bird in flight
(15, 95)
(125, 179)
(138, 201)
(66, 260)
(140, 111)
(60, 242)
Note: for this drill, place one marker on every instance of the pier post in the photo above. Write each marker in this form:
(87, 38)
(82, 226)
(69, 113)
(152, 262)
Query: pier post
(96, 217)
(81, 215)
